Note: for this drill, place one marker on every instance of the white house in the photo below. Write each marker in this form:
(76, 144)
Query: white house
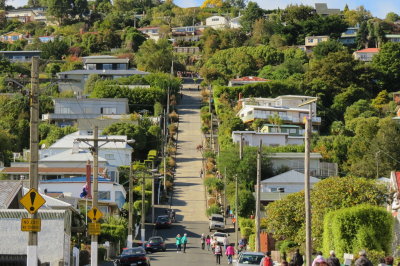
(116, 153)
(234, 23)
(252, 138)
(107, 62)
(217, 22)
(109, 191)
(289, 182)
(152, 32)
(365, 54)
(286, 107)
(26, 15)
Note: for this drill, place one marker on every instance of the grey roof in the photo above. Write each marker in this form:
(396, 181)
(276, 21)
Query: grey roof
(105, 72)
(43, 214)
(82, 101)
(69, 156)
(291, 176)
(106, 61)
(51, 202)
(8, 191)
(20, 52)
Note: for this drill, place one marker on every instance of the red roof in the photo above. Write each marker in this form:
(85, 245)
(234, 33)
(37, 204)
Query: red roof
(250, 78)
(368, 50)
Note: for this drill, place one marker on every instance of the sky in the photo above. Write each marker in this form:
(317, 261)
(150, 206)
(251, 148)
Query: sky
(378, 8)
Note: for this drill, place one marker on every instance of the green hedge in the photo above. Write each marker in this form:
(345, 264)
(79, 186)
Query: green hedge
(213, 209)
(350, 230)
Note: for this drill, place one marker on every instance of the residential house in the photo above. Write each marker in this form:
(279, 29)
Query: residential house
(26, 15)
(12, 37)
(217, 22)
(253, 138)
(20, 56)
(43, 39)
(365, 54)
(246, 80)
(396, 99)
(285, 106)
(85, 125)
(295, 161)
(187, 50)
(64, 164)
(67, 111)
(292, 130)
(234, 23)
(75, 79)
(312, 41)
(349, 36)
(115, 153)
(56, 222)
(393, 37)
(151, 32)
(111, 195)
(187, 33)
(323, 10)
(105, 62)
(279, 186)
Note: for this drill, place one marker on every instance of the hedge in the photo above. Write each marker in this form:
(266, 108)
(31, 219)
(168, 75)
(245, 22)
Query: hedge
(350, 230)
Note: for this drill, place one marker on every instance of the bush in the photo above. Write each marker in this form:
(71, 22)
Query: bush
(286, 245)
(350, 230)
(252, 242)
(214, 183)
(174, 117)
(246, 222)
(246, 231)
(211, 201)
(213, 209)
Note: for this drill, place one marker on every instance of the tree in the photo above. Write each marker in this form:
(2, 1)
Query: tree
(155, 56)
(392, 17)
(387, 63)
(296, 13)
(212, 3)
(252, 13)
(324, 48)
(357, 16)
(133, 38)
(286, 216)
(54, 49)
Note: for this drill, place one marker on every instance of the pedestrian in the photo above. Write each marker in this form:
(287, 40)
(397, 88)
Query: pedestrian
(267, 260)
(363, 260)
(225, 242)
(213, 243)
(389, 260)
(218, 253)
(332, 260)
(230, 252)
(198, 87)
(203, 241)
(297, 258)
(178, 243)
(318, 259)
(208, 242)
(184, 242)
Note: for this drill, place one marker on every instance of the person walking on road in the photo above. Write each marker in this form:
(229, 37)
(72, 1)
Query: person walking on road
(203, 241)
(363, 260)
(267, 260)
(184, 242)
(319, 258)
(218, 253)
(230, 252)
(208, 242)
(332, 260)
(225, 242)
(178, 243)
(297, 258)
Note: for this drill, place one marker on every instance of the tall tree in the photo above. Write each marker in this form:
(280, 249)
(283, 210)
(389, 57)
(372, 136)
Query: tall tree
(155, 56)
(250, 15)
(387, 62)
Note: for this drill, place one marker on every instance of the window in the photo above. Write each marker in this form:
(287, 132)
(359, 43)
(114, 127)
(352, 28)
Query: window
(6, 38)
(109, 156)
(108, 110)
(107, 66)
(215, 19)
(250, 113)
(121, 66)
(104, 195)
(90, 132)
(14, 38)
(310, 40)
(91, 66)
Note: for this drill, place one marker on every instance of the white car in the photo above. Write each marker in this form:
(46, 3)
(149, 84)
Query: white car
(216, 222)
(220, 237)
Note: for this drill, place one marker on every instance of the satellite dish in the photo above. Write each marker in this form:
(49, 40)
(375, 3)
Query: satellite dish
(43, 146)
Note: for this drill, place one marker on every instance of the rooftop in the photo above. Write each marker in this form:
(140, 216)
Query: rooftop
(79, 179)
(105, 72)
(251, 78)
(291, 176)
(47, 170)
(368, 50)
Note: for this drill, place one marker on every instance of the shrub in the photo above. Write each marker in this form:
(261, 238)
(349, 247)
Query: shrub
(212, 201)
(213, 209)
(246, 222)
(246, 231)
(173, 128)
(214, 183)
(286, 245)
(252, 242)
(174, 116)
(349, 230)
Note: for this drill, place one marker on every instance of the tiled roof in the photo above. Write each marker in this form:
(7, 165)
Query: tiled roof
(368, 50)
(8, 190)
(48, 170)
(250, 78)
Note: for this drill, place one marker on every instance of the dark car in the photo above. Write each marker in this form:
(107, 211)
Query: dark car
(133, 257)
(163, 221)
(155, 243)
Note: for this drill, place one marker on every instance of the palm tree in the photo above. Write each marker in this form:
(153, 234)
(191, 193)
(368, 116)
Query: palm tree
(276, 120)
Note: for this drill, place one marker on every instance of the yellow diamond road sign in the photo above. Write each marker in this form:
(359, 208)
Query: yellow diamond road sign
(94, 214)
(32, 201)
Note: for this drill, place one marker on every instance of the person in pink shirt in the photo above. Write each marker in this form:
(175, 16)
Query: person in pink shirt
(229, 252)
(208, 242)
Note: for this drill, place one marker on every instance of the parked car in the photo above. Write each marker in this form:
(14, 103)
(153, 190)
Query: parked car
(249, 258)
(155, 243)
(216, 222)
(220, 236)
(163, 221)
(132, 256)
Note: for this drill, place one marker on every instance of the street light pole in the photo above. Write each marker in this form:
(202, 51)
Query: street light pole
(237, 193)
(257, 220)
(142, 230)
(307, 180)
(130, 235)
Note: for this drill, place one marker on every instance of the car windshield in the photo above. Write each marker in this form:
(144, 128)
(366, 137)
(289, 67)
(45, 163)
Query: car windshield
(132, 251)
(162, 219)
(250, 259)
(155, 240)
(220, 235)
(217, 219)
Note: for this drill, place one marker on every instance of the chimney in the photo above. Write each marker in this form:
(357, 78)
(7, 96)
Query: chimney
(75, 147)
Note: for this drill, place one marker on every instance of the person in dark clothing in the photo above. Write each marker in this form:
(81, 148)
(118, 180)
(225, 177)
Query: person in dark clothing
(363, 260)
(389, 260)
(297, 258)
(332, 260)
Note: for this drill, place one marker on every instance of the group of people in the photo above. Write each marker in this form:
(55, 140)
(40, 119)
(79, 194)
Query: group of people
(218, 248)
(181, 241)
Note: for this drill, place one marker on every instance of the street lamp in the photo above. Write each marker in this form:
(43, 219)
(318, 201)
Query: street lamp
(307, 179)
(130, 221)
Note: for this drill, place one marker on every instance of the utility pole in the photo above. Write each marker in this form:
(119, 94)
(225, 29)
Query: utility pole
(257, 221)
(237, 193)
(95, 194)
(211, 116)
(130, 235)
(307, 180)
(32, 248)
(225, 207)
(142, 229)
(165, 152)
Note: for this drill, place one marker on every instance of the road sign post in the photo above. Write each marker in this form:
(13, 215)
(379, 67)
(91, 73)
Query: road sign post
(32, 201)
